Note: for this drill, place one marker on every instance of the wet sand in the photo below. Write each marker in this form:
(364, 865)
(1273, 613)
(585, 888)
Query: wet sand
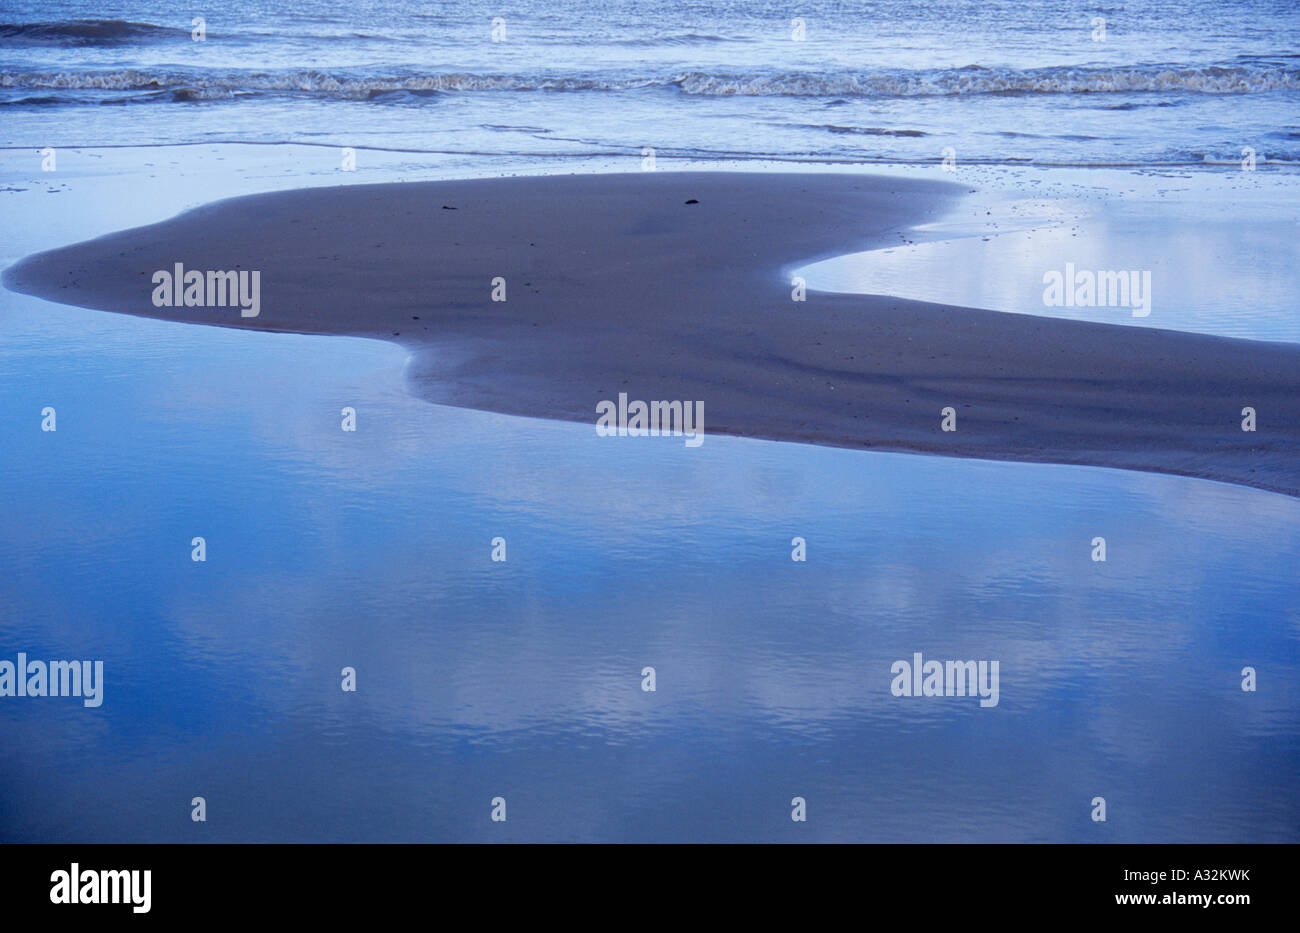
(614, 283)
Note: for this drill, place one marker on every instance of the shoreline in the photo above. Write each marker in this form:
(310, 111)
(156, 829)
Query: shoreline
(615, 283)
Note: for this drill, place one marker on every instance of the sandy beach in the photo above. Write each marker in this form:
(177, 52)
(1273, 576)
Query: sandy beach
(976, 333)
(619, 283)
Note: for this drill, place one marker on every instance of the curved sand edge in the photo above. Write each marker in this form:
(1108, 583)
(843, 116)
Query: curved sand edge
(616, 284)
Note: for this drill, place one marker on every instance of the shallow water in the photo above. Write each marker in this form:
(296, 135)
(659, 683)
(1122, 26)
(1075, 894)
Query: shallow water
(1210, 254)
(522, 678)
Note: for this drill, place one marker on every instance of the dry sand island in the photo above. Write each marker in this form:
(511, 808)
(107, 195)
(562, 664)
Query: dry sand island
(677, 286)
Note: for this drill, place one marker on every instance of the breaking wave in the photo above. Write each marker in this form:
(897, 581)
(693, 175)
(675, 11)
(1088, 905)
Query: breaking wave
(975, 80)
(972, 80)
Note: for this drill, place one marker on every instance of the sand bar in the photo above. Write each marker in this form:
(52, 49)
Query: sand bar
(616, 284)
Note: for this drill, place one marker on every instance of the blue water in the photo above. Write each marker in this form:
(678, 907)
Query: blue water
(522, 679)
(1003, 81)
(1221, 248)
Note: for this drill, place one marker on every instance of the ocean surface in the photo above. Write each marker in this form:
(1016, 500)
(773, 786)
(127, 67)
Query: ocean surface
(522, 678)
(1000, 82)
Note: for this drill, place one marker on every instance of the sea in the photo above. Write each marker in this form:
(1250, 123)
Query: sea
(1003, 81)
